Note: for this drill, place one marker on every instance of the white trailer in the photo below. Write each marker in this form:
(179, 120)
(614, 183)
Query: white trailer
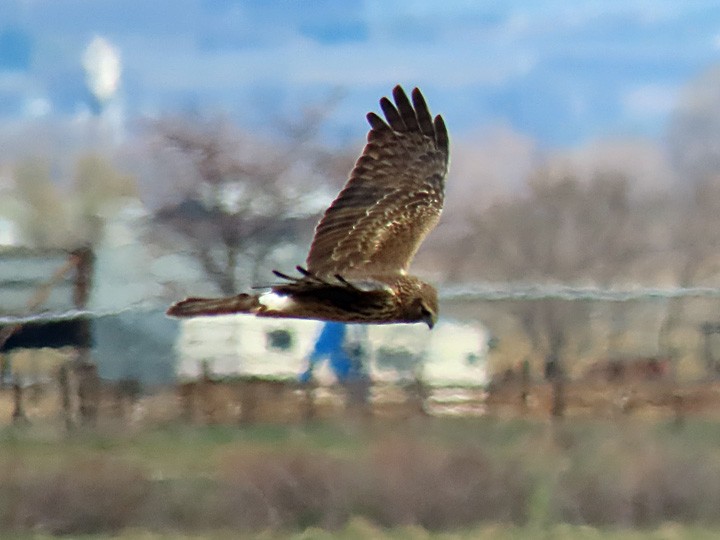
(452, 354)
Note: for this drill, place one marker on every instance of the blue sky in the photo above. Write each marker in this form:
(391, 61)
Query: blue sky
(561, 72)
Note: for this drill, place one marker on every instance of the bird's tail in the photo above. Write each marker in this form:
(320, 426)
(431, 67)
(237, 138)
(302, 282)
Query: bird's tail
(197, 307)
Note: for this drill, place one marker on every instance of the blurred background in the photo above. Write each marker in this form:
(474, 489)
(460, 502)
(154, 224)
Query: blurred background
(189, 148)
(154, 150)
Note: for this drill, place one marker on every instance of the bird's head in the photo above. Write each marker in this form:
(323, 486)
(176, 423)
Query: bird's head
(425, 306)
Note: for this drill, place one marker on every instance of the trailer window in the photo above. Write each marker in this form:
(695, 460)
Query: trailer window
(279, 340)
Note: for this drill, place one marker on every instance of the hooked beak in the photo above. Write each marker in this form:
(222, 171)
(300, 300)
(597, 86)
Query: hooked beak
(430, 320)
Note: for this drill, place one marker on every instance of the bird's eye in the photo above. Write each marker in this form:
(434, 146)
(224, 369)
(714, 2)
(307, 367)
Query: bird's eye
(424, 311)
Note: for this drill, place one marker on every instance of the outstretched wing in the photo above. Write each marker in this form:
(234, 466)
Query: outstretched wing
(363, 297)
(394, 195)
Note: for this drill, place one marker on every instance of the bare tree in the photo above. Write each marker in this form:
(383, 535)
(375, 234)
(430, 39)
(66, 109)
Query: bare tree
(693, 217)
(44, 220)
(692, 225)
(55, 216)
(693, 136)
(562, 231)
(239, 196)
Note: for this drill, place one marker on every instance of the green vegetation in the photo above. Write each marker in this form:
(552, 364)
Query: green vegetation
(464, 478)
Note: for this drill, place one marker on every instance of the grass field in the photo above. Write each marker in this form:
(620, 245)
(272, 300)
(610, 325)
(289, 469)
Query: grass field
(360, 529)
(428, 478)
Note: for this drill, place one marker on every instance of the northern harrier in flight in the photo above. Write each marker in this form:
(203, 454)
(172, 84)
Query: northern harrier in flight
(356, 270)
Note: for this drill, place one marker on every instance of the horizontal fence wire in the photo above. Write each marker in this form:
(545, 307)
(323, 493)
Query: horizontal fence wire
(533, 291)
(468, 292)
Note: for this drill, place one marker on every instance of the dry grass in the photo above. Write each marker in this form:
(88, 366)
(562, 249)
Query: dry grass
(81, 496)
(431, 476)
(640, 484)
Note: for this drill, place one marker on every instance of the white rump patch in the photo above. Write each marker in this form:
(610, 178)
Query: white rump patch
(275, 301)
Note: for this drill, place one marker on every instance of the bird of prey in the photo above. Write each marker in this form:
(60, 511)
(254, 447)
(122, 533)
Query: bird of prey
(356, 270)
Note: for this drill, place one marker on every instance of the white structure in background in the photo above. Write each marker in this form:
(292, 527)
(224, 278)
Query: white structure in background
(9, 233)
(102, 64)
(103, 68)
(129, 274)
(452, 354)
(231, 345)
(123, 275)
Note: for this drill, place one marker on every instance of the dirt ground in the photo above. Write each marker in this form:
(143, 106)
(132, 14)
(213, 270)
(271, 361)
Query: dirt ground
(268, 401)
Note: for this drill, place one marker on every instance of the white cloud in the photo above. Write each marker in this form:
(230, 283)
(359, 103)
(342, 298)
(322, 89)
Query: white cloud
(650, 100)
(37, 107)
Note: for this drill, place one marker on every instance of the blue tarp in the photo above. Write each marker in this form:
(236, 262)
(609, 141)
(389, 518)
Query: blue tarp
(345, 362)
